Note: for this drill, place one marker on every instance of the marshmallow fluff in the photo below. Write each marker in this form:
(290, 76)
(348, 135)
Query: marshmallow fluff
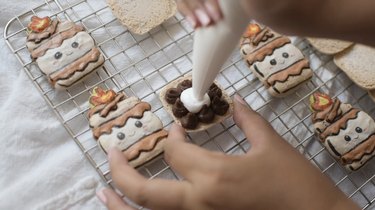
(193, 104)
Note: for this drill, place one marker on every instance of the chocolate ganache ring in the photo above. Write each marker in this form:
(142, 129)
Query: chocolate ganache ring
(220, 108)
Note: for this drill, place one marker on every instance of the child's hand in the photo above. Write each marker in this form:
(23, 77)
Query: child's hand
(200, 12)
(272, 175)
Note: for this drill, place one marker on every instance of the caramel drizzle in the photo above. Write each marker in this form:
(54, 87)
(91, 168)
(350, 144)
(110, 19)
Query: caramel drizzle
(104, 109)
(56, 41)
(135, 112)
(263, 36)
(356, 154)
(290, 88)
(78, 66)
(38, 37)
(144, 145)
(328, 114)
(268, 49)
(283, 75)
(342, 123)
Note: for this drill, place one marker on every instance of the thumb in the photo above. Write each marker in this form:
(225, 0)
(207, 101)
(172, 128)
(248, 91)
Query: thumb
(254, 126)
(112, 200)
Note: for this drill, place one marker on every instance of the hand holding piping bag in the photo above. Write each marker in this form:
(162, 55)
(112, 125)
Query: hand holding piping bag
(271, 175)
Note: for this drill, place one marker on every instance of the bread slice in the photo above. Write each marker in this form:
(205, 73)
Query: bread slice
(140, 16)
(358, 63)
(201, 126)
(329, 46)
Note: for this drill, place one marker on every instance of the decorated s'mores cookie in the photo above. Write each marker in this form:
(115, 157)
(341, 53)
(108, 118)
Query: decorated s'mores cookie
(279, 65)
(126, 123)
(64, 51)
(220, 107)
(348, 133)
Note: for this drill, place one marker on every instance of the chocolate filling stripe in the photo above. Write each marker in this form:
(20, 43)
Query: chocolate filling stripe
(332, 112)
(63, 67)
(38, 37)
(113, 117)
(294, 86)
(56, 41)
(262, 36)
(283, 75)
(145, 145)
(363, 149)
(260, 54)
(77, 79)
(334, 116)
(333, 149)
(104, 109)
(136, 112)
(78, 66)
(342, 123)
(257, 70)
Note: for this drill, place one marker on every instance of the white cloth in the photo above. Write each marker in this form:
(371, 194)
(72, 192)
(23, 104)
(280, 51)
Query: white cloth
(41, 167)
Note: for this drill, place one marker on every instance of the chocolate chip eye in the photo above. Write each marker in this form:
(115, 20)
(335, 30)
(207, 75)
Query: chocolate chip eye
(358, 130)
(138, 124)
(121, 136)
(74, 44)
(58, 55)
(347, 138)
(273, 62)
(285, 55)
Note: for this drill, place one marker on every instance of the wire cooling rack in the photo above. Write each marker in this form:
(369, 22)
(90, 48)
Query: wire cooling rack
(141, 65)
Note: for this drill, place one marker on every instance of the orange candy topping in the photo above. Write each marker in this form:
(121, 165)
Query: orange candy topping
(252, 30)
(100, 96)
(320, 101)
(38, 24)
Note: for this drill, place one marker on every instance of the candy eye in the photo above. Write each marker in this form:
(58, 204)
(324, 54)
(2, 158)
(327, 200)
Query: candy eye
(285, 55)
(121, 136)
(138, 124)
(347, 138)
(58, 55)
(273, 62)
(358, 130)
(74, 44)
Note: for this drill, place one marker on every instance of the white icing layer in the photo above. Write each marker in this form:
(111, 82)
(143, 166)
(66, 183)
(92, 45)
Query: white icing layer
(122, 106)
(49, 64)
(62, 84)
(265, 66)
(132, 134)
(193, 104)
(364, 122)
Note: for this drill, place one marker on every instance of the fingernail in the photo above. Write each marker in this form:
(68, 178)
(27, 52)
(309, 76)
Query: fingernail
(101, 196)
(240, 99)
(110, 152)
(203, 17)
(213, 12)
(191, 21)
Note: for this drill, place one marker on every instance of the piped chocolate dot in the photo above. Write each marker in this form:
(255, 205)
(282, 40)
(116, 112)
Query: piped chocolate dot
(179, 109)
(172, 95)
(206, 115)
(190, 121)
(121, 136)
(184, 85)
(138, 124)
(75, 44)
(58, 55)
